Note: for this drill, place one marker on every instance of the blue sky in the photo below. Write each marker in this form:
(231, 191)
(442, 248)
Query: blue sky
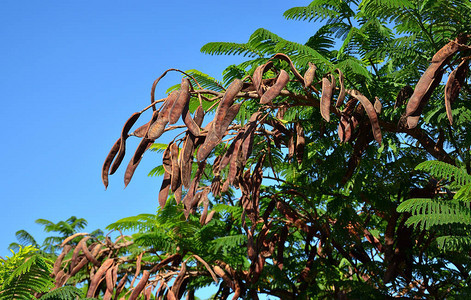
(72, 72)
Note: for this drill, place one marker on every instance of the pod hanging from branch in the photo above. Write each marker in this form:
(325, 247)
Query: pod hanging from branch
(370, 111)
(273, 91)
(328, 87)
(453, 86)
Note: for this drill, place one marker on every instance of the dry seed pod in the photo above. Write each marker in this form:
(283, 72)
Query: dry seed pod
(342, 92)
(167, 158)
(144, 144)
(413, 118)
(300, 142)
(227, 101)
(231, 151)
(371, 113)
(109, 280)
(430, 80)
(326, 96)
(216, 133)
(140, 286)
(132, 166)
(273, 91)
(124, 135)
(205, 212)
(453, 87)
(291, 65)
(209, 217)
(88, 254)
(109, 159)
(193, 124)
(175, 179)
(378, 106)
(258, 75)
(98, 277)
(180, 103)
(309, 75)
(403, 95)
(163, 194)
(58, 262)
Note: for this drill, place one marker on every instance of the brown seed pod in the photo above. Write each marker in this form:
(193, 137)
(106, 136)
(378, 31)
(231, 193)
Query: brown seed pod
(328, 87)
(204, 214)
(187, 200)
(144, 144)
(291, 65)
(132, 166)
(216, 132)
(273, 91)
(140, 131)
(413, 118)
(167, 158)
(227, 101)
(209, 217)
(95, 281)
(193, 124)
(124, 135)
(342, 92)
(182, 101)
(232, 151)
(403, 95)
(378, 106)
(300, 142)
(453, 86)
(175, 179)
(163, 194)
(109, 280)
(371, 113)
(258, 75)
(58, 262)
(186, 159)
(309, 75)
(87, 252)
(140, 286)
(177, 284)
(430, 80)
(281, 247)
(109, 159)
(121, 284)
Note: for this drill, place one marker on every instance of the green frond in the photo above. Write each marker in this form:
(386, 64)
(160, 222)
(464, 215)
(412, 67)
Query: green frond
(25, 238)
(205, 80)
(431, 212)
(63, 293)
(442, 170)
(158, 147)
(225, 243)
(454, 242)
(140, 222)
(225, 48)
(320, 10)
(157, 171)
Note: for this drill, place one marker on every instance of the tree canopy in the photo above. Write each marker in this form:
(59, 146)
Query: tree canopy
(306, 173)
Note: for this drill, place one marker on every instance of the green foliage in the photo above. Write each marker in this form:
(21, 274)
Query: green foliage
(450, 218)
(25, 274)
(63, 293)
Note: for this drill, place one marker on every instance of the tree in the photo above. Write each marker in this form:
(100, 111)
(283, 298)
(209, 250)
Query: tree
(290, 194)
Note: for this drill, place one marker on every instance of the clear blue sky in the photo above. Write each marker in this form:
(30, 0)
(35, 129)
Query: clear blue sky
(73, 71)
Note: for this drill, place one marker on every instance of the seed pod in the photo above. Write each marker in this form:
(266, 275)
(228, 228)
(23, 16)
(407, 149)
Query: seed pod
(328, 87)
(430, 80)
(414, 116)
(342, 92)
(291, 65)
(309, 75)
(179, 280)
(193, 186)
(140, 286)
(180, 103)
(167, 158)
(121, 284)
(453, 87)
(58, 262)
(227, 101)
(132, 166)
(281, 247)
(163, 194)
(175, 179)
(144, 144)
(204, 214)
(209, 217)
(140, 131)
(371, 113)
(273, 91)
(98, 277)
(109, 159)
(258, 75)
(247, 143)
(231, 151)
(378, 106)
(403, 95)
(87, 252)
(300, 142)
(109, 280)
(216, 132)
(124, 135)
(193, 124)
